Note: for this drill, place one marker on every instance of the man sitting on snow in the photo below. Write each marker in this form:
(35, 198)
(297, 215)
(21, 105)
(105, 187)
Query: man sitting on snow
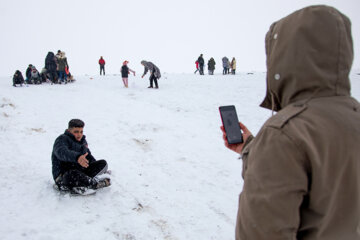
(73, 166)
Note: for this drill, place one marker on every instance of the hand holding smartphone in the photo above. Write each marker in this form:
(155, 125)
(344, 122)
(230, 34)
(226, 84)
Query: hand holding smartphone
(231, 124)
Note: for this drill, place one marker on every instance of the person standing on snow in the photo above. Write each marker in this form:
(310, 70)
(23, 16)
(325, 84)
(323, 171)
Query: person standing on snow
(154, 73)
(62, 66)
(301, 171)
(211, 66)
(74, 168)
(225, 62)
(102, 65)
(51, 66)
(233, 66)
(125, 73)
(201, 64)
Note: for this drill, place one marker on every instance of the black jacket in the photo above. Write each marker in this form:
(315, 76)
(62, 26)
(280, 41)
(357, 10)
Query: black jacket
(211, 64)
(66, 152)
(201, 61)
(50, 62)
(124, 71)
(18, 78)
(28, 73)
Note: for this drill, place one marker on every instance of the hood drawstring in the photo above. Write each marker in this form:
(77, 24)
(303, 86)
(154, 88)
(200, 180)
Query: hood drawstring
(272, 103)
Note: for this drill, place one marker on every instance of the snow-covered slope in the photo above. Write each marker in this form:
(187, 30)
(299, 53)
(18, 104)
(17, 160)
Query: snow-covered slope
(172, 178)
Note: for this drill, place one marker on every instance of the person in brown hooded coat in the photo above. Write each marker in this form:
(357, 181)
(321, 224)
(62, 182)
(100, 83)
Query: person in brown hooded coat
(302, 170)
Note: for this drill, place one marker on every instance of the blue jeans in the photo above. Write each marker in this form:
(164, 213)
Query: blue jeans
(62, 76)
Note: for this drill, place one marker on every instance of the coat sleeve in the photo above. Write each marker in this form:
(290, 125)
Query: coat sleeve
(275, 184)
(145, 70)
(62, 151)
(90, 157)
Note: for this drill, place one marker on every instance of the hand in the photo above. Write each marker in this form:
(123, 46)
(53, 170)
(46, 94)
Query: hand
(134, 73)
(83, 161)
(238, 147)
(142, 76)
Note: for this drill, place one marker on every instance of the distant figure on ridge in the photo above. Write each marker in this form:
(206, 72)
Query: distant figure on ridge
(18, 78)
(201, 64)
(154, 73)
(197, 66)
(102, 65)
(62, 68)
(233, 66)
(50, 65)
(125, 73)
(225, 62)
(211, 66)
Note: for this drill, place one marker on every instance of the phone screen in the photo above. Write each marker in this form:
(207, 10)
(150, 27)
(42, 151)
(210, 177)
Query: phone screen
(231, 124)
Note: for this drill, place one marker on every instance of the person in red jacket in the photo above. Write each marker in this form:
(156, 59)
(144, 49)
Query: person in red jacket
(197, 66)
(102, 65)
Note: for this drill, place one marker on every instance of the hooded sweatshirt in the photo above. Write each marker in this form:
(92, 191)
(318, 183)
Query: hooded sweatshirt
(301, 172)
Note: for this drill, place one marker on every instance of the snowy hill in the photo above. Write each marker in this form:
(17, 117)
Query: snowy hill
(172, 178)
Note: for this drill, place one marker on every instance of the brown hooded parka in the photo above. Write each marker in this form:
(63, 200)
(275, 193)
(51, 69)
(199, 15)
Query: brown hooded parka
(302, 171)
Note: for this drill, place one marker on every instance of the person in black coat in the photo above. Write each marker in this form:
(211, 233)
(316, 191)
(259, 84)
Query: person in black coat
(50, 65)
(201, 64)
(18, 78)
(28, 73)
(73, 165)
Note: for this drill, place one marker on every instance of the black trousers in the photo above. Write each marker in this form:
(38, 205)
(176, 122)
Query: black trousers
(201, 69)
(102, 68)
(153, 79)
(83, 177)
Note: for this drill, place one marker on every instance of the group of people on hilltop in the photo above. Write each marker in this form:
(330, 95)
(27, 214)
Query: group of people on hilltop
(155, 74)
(56, 70)
(227, 65)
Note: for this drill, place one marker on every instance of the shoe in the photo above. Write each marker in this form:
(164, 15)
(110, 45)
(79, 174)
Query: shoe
(156, 87)
(103, 183)
(150, 87)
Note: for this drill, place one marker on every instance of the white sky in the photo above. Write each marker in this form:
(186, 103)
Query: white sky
(171, 34)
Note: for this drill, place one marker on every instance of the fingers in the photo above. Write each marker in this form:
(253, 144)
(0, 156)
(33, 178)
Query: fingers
(244, 128)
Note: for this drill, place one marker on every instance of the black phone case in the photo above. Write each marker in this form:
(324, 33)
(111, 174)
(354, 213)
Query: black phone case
(233, 132)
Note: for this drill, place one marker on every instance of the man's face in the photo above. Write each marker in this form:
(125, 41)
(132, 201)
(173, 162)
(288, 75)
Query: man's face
(77, 132)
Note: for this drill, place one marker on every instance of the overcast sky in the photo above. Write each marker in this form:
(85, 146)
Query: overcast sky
(169, 33)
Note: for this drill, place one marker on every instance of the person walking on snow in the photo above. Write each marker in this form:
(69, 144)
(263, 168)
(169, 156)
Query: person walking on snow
(102, 65)
(125, 70)
(201, 64)
(197, 66)
(154, 73)
(301, 171)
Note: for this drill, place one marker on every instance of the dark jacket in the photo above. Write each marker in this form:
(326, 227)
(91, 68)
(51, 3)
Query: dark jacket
(124, 71)
(301, 171)
(18, 78)
(28, 72)
(66, 151)
(152, 67)
(201, 61)
(225, 62)
(211, 64)
(50, 62)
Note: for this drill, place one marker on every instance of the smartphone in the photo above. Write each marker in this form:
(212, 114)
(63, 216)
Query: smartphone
(231, 124)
